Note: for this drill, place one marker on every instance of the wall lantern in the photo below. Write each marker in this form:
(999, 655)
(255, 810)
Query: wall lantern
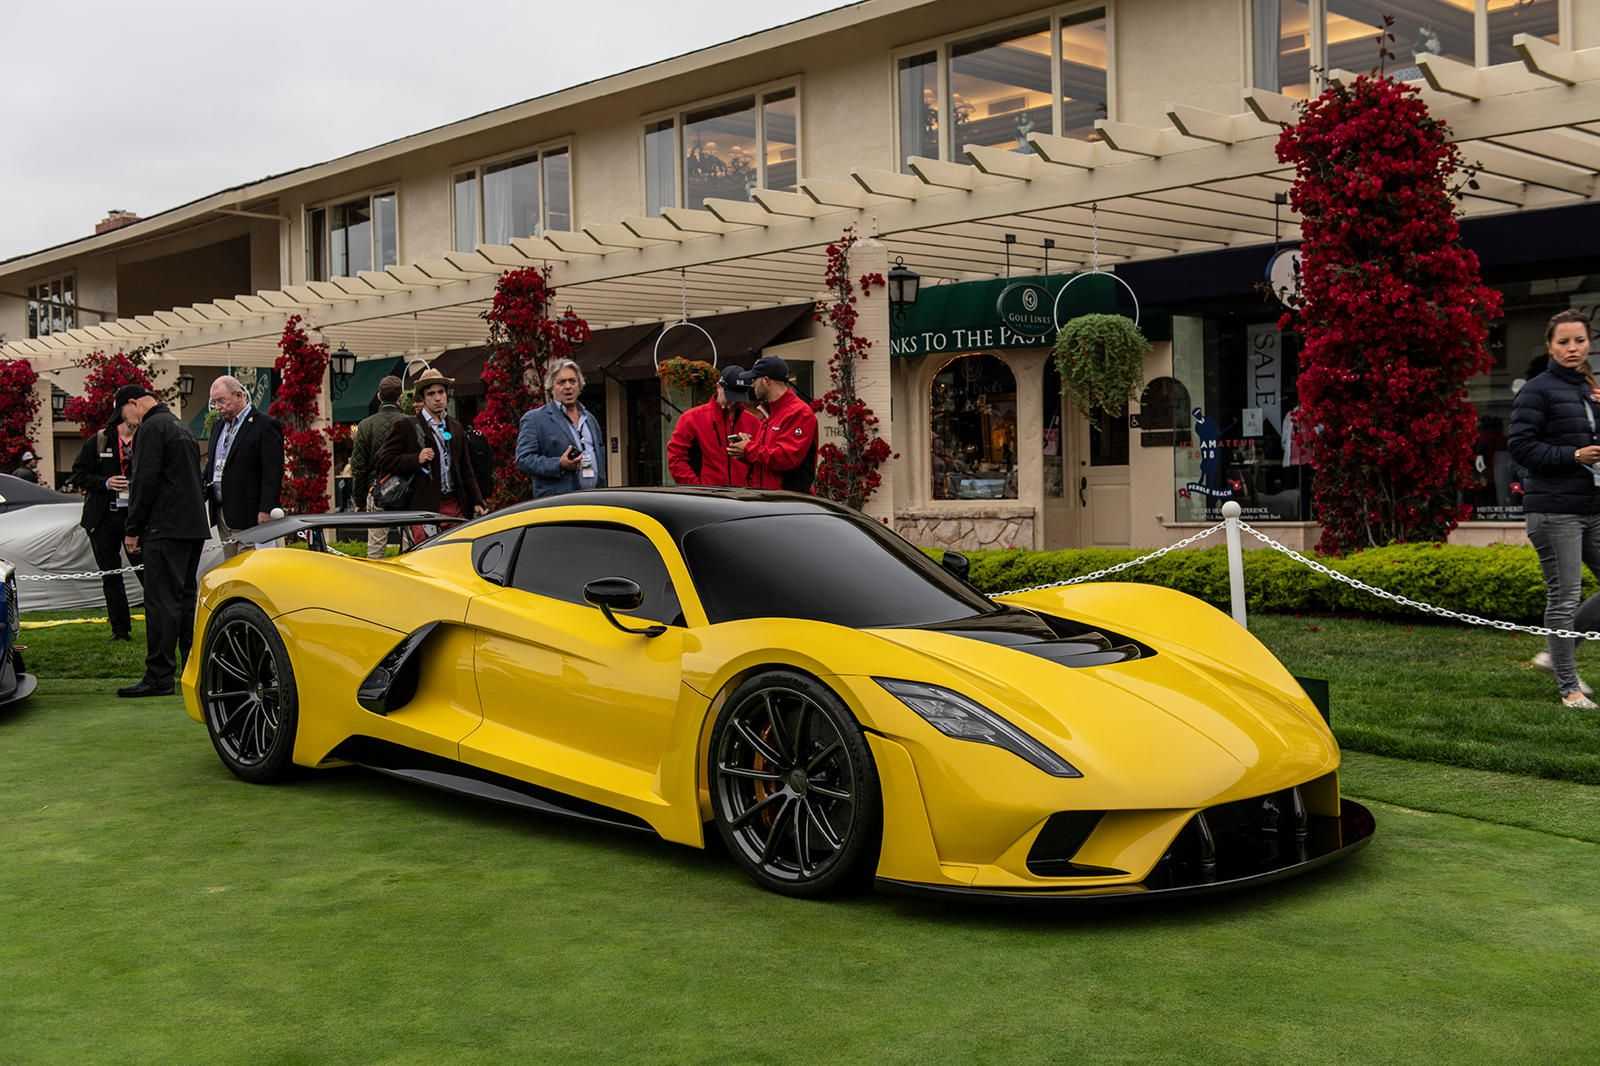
(344, 362)
(903, 285)
(185, 385)
(58, 403)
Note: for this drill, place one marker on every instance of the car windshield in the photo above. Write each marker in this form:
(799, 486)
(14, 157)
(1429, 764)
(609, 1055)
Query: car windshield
(828, 568)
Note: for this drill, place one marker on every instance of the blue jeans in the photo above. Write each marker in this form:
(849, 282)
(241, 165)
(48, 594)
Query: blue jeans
(1566, 543)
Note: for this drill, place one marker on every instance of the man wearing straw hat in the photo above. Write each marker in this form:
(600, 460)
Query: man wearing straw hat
(432, 449)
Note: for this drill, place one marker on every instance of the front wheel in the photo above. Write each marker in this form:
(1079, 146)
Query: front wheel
(794, 790)
(247, 694)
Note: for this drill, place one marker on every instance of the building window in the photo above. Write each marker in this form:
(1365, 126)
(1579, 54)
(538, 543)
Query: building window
(974, 427)
(1241, 379)
(344, 239)
(521, 197)
(723, 151)
(1291, 38)
(52, 306)
(1047, 76)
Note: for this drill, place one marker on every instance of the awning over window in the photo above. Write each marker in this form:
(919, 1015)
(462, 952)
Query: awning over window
(355, 402)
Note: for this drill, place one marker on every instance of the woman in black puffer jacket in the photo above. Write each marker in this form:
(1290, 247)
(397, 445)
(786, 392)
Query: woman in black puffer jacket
(1555, 434)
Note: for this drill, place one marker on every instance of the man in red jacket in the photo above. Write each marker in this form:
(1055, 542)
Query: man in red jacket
(697, 454)
(783, 453)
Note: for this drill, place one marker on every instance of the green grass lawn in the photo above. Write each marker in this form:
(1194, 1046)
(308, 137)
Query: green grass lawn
(1444, 693)
(158, 910)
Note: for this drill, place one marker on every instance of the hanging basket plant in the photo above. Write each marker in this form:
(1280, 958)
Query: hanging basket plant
(695, 375)
(1101, 358)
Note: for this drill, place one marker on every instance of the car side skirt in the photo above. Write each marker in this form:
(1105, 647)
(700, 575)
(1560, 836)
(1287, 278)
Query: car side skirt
(1332, 839)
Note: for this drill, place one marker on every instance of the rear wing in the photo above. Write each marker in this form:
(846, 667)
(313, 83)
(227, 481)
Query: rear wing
(315, 527)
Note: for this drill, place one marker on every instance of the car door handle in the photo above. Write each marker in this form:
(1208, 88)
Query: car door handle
(1083, 485)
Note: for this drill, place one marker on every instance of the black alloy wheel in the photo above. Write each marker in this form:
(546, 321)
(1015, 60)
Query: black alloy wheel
(247, 694)
(794, 790)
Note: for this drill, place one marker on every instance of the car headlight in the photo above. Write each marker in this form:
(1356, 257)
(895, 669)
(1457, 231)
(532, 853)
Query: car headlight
(958, 717)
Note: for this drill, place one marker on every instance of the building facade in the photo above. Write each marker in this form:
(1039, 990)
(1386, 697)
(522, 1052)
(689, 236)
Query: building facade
(1112, 154)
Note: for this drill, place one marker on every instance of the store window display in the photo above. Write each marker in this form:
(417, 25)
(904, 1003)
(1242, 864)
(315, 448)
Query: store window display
(974, 430)
(1240, 378)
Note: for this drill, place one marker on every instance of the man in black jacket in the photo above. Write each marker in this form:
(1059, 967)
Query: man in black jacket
(101, 471)
(244, 471)
(167, 519)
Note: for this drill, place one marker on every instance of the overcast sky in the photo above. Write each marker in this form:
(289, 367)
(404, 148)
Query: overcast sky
(147, 105)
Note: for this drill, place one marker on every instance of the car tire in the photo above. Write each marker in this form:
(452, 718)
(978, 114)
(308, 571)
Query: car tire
(247, 694)
(794, 790)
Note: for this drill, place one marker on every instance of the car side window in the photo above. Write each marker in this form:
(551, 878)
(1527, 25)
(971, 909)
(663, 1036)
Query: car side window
(557, 559)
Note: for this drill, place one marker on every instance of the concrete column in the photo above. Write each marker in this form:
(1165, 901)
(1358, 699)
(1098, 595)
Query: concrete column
(42, 433)
(323, 422)
(869, 256)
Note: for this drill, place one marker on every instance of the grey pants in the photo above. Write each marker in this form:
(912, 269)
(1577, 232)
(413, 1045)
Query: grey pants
(1566, 543)
(377, 537)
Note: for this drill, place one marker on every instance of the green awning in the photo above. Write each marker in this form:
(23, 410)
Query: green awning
(354, 401)
(1002, 313)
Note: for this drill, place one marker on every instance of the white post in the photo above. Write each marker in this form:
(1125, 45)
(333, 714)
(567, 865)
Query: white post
(1230, 517)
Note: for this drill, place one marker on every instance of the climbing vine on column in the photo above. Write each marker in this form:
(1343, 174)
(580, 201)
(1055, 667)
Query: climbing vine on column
(306, 458)
(523, 340)
(1393, 311)
(848, 472)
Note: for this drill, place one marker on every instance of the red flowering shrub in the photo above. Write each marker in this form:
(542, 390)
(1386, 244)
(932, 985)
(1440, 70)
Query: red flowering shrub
(847, 474)
(306, 457)
(19, 406)
(523, 339)
(1393, 313)
(106, 374)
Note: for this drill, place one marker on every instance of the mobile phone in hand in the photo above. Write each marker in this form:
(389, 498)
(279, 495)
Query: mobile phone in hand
(735, 438)
(572, 451)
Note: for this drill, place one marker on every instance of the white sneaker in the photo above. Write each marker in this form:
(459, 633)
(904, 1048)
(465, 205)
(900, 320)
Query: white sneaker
(1578, 702)
(1542, 661)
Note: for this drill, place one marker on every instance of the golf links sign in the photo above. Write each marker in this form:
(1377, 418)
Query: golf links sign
(988, 315)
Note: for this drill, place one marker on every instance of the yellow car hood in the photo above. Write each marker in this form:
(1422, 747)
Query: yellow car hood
(1177, 722)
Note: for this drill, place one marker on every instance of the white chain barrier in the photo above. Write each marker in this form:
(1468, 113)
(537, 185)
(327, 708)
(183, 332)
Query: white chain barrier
(85, 576)
(1326, 571)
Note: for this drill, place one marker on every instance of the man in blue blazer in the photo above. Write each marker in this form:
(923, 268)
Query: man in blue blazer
(560, 445)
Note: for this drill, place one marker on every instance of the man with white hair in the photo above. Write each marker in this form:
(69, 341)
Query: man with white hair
(244, 472)
(560, 445)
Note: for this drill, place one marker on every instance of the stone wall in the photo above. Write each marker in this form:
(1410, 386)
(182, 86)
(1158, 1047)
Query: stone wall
(967, 529)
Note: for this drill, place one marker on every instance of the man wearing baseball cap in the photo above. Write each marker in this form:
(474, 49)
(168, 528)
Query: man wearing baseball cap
(697, 454)
(27, 468)
(166, 521)
(783, 453)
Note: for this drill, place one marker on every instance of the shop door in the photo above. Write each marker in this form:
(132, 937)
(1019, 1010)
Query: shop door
(646, 464)
(1100, 480)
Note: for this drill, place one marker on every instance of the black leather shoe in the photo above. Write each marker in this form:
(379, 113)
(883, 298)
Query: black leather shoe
(145, 688)
(122, 636)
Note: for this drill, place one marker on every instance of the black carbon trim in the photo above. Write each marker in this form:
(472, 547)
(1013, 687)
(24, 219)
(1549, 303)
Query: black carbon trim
(1060, 640)
(453, 776)
(393, 682)
(1058, 842)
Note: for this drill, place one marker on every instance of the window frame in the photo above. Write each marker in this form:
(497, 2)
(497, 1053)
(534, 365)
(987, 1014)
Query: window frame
(535, 152)
(69, 313)
(370, 194)
(1319, 39)
(676, 115)
(941, 47)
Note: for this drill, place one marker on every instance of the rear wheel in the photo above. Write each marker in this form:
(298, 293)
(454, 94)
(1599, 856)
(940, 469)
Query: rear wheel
(794, 789)
(247, 694)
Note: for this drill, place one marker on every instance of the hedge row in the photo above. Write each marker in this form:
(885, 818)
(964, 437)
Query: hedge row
(1500, 581)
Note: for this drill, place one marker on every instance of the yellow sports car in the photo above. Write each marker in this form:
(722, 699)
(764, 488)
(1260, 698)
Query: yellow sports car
(837, 704)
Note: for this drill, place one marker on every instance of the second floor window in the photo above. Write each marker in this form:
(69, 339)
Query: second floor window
(520, 197)
(344, 239)
(1049, 76)
(1292, 38)
(723, 151)
(52, 306)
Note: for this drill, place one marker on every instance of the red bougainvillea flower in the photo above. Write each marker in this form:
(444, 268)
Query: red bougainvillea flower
(306, 456)
(848, 473)
(19, 406)
(1393, 312)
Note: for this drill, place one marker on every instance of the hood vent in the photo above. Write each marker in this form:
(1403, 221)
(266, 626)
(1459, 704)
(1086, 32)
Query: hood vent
(1061, 640)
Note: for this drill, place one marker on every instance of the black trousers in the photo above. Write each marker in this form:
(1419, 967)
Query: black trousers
(106, 540)
(170, 586)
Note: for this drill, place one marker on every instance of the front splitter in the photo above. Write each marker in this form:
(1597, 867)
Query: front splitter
(1348, 834)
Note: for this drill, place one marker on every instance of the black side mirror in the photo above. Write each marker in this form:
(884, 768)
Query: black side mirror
(956, 563)
(619, 594)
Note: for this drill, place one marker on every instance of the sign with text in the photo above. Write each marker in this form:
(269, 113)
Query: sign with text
(997, 315)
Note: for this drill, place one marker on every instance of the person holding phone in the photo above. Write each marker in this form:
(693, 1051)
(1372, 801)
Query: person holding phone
(698, 453)
(560, 445)
(432, 447)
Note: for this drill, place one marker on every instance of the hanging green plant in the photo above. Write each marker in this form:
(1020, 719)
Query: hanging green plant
(1101, 359)
(695, 375)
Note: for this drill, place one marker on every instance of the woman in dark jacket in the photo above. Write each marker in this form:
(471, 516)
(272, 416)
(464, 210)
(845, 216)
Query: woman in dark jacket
(1555, 434)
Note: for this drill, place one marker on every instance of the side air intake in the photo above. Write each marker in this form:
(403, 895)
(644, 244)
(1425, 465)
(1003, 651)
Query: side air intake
(393, 682)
